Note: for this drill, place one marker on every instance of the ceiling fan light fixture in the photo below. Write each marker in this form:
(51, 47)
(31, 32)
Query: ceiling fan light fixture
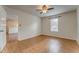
(44, 8)
(44, 11)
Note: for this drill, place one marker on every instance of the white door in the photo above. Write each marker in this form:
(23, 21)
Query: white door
(2, 36)
(2, 28)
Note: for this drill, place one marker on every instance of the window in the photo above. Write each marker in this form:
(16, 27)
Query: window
(54, 25)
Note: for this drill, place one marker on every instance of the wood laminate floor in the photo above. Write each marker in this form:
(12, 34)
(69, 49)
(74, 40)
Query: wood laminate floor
(42, 44)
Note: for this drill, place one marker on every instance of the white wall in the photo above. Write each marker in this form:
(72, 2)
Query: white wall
(2, 27)
(30, 24)
(78, 25)
(67, 24)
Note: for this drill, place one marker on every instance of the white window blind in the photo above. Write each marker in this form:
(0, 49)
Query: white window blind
(54, 25)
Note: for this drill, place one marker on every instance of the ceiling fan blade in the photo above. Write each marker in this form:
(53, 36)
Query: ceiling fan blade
(50, 8)
(41, 12)
(38, 9)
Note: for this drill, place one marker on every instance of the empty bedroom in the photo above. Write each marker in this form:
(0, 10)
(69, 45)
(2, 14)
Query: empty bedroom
(40, 29)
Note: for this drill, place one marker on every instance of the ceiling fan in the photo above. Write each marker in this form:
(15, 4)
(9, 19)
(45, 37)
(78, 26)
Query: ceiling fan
(44, 9)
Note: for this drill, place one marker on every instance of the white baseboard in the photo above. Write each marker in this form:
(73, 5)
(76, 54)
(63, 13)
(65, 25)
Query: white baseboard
(20, 39)
(58, 36)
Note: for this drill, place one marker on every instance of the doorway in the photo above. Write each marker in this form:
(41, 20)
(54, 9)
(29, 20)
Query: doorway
(12, 30)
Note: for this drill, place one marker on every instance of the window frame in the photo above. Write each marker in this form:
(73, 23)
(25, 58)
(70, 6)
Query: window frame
(52, 19)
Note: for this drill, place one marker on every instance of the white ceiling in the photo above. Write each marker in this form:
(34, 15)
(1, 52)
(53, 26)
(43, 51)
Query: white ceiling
(32, 9)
